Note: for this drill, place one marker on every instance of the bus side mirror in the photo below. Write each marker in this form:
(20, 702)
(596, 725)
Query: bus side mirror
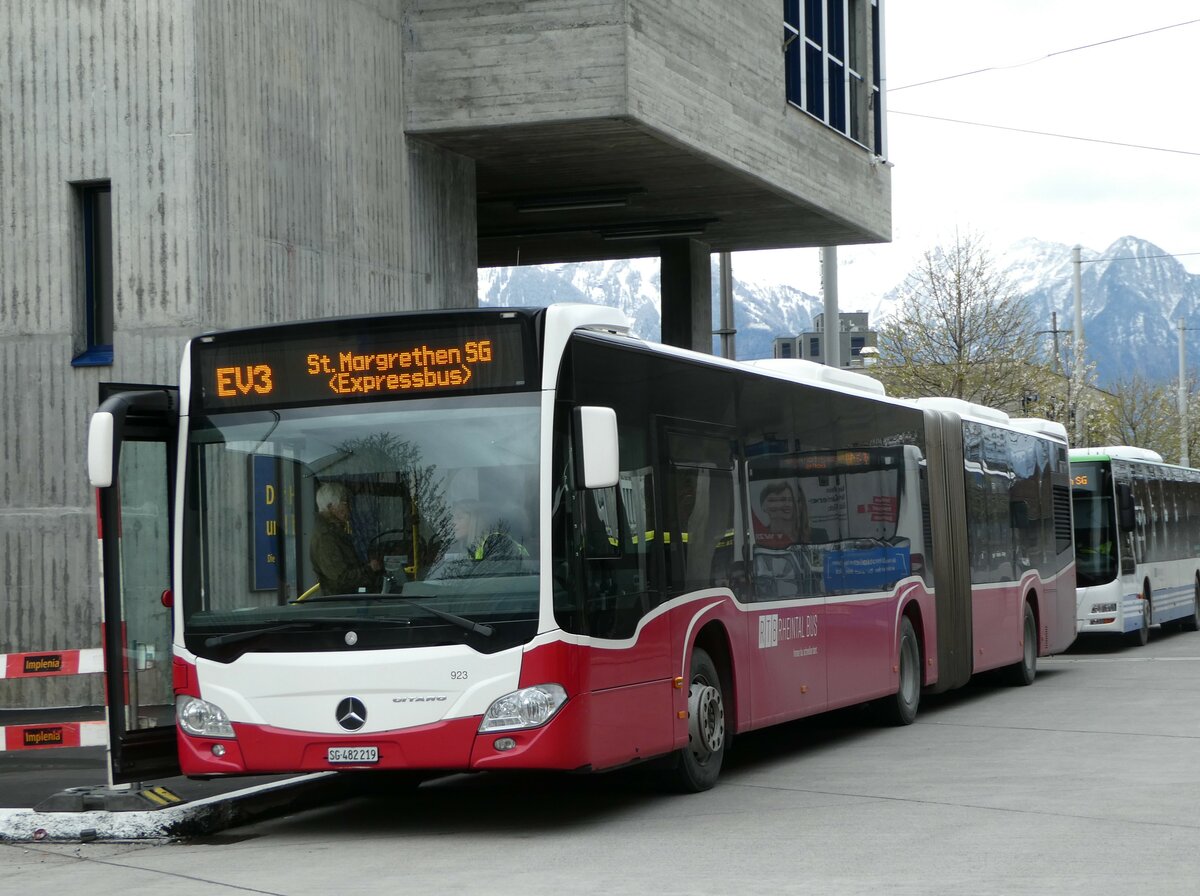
(100, 449)
(1126, 518)
(596, 456)
(108, 424)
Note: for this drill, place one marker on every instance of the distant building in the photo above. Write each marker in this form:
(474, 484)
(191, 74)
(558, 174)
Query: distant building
(855, 334)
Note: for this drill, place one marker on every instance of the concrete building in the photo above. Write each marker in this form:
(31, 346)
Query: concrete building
(169, 167)
(857, 340)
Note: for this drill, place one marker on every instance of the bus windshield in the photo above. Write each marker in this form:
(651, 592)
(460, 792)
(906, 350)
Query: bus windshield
(381, 525)
(1096, 537)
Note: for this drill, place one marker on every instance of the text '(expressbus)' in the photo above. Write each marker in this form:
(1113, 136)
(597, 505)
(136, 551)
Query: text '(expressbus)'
(351, 373)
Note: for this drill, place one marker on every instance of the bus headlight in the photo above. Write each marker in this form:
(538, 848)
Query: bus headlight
(526, 708)
(1104, 608)
(201, 718)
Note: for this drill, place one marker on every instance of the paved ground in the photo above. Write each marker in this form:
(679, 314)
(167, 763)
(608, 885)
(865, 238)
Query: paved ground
(1085, 783)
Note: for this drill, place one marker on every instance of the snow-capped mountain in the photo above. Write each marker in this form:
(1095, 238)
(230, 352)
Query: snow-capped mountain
(763, 311)
(1133, 295)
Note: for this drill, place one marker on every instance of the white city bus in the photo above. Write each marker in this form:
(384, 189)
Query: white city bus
(667, 548)
(1137, 539)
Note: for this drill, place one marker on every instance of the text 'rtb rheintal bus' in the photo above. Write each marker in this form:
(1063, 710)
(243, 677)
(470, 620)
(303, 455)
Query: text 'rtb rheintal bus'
(1137, 541)
(513, 539)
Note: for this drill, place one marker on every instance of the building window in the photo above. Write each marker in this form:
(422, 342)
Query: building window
(814, 346)
(785, 349)
(94, 344)
(856, 344)
(828, 46)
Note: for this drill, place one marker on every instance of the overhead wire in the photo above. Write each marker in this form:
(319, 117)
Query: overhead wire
(994, 68)
(979, 124)
(1000, 127)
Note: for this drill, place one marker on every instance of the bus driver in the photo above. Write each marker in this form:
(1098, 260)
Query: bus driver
(334, 558)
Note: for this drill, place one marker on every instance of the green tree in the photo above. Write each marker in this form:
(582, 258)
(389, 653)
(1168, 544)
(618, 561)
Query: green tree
(960, 330)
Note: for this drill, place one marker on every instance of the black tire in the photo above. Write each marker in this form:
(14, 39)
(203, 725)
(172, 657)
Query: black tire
(1022, 673)
(1141, 637)
(698, 765)
(1192, 623)
(901, 707)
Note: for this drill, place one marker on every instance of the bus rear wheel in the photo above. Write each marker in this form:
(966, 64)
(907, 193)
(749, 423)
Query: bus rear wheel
(1192, 623)
(901, 707)
(697, 766)
(1024, 671)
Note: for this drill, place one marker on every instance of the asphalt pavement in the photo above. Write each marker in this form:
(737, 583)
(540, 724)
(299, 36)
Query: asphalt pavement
(62, 793)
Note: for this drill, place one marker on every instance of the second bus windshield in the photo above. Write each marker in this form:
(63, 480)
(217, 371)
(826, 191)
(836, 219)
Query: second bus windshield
(1096, 540)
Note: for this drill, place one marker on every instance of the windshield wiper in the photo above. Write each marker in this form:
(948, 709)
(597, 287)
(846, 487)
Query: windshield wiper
(235, 637)
(478, 628)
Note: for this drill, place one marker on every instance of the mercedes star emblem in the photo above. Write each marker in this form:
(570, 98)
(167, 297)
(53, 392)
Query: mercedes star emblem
(351, 714)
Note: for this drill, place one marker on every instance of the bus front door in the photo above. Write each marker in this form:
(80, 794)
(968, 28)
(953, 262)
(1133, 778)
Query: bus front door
(135, 524)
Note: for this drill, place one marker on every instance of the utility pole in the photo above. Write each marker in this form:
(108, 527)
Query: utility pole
(1054, 330)
(727, 332)
(1077, 262)
(1183, 424)
(833, 322)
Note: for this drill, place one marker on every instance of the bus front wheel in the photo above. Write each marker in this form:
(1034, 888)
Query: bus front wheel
(1023, 672)
(1140, 636)
(697, 766)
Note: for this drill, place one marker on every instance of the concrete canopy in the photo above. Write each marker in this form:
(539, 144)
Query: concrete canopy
(612, 189)
(598, 129)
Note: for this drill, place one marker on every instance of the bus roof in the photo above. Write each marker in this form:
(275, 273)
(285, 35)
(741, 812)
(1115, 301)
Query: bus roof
(1117, 452)
(803, 371)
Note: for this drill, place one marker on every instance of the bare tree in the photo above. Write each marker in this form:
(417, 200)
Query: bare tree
(1069, 395)
(1146, 414)
(960, 330)
(1141, 414)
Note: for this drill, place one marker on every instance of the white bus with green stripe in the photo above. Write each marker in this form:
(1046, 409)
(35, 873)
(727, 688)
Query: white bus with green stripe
(1137, 542)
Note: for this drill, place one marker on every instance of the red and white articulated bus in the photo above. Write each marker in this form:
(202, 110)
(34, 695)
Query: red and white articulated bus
(554, 546)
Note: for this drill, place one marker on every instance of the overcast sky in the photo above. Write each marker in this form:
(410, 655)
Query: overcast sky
(1132, 88)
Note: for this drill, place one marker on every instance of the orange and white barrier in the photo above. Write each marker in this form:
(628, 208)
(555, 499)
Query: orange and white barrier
(53, 734)
(45, 664)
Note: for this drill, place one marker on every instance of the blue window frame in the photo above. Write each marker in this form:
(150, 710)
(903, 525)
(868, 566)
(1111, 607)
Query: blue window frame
(94, 201)
(828, 46)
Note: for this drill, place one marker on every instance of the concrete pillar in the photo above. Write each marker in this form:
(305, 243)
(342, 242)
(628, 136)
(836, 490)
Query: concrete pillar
(686, 275)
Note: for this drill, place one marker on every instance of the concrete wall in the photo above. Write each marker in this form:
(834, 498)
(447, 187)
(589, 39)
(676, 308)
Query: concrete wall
(731, 104)
(259, 173)
(506, 63)
(700, 74)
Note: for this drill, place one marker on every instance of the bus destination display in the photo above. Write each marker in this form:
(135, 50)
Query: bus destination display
(372, 365)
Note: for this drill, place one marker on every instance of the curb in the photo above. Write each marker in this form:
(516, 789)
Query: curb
(205, 816)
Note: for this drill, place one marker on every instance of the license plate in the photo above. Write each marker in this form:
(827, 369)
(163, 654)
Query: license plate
(353, 755)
